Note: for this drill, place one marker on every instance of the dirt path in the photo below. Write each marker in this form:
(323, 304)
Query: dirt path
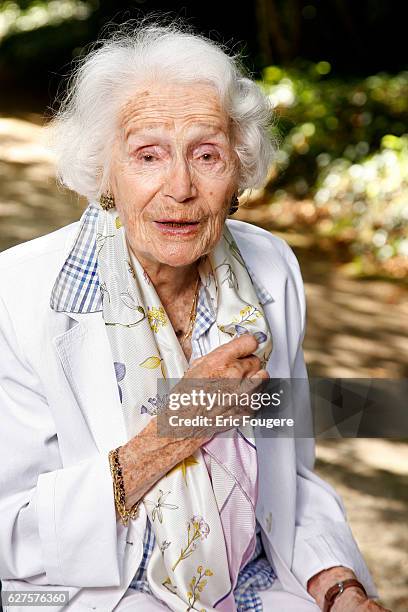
(354, 329)
(372, 477)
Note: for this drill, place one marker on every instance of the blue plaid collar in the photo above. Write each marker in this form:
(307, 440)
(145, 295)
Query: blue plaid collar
(76, 289)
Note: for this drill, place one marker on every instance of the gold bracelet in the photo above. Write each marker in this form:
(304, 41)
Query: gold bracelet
(119, 489)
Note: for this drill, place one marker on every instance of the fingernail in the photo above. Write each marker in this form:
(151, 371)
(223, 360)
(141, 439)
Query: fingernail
(260, 337)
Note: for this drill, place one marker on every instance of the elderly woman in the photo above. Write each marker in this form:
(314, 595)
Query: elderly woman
(162, 132)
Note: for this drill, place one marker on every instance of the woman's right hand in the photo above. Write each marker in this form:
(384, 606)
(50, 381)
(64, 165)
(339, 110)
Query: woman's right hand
(231, 368)
(235, 360)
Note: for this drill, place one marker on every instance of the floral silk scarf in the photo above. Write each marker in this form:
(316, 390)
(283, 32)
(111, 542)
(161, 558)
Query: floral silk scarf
(195, 509)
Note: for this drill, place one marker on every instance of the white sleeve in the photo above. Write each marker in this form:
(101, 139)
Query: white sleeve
(55, 522)
(323, 538)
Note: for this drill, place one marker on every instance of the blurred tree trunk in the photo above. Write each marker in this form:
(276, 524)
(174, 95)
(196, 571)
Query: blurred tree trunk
(279, 28)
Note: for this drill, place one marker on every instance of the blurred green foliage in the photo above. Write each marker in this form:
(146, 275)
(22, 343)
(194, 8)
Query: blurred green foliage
(38, 35)
(343, 162)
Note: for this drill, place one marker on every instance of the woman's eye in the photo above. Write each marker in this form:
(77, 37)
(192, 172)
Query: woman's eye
(147, 157)
(208, 156)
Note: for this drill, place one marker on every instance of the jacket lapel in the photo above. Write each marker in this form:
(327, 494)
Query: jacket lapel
(276, 506)
(86, 359)
(276, 517)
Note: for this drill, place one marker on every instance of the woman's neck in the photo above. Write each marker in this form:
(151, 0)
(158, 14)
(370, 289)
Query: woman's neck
(169, 282)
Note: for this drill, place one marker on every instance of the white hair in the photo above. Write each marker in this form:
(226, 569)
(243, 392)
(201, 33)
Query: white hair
(84, 128)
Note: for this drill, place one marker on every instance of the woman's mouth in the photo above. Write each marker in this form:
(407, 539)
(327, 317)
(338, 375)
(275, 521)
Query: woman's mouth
(175, 227)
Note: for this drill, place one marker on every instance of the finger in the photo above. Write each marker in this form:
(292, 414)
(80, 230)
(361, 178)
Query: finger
(254, 383)
(262, 374)
(239, 347)
(249, 365)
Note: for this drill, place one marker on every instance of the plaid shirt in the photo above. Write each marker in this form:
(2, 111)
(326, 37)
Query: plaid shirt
(76, 289)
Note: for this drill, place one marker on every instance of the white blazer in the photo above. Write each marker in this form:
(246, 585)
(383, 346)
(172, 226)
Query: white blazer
(60, 415)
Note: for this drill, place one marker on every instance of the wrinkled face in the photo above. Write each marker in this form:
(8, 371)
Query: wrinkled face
(174, 172)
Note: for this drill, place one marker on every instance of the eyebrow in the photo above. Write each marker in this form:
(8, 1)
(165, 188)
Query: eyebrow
(150, 127)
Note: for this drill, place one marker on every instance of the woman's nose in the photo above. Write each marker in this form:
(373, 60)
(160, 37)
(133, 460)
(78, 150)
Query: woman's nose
(178, 183)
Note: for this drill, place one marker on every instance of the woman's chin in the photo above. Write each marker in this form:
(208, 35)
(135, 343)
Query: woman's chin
(177, 260)
(177, 253)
